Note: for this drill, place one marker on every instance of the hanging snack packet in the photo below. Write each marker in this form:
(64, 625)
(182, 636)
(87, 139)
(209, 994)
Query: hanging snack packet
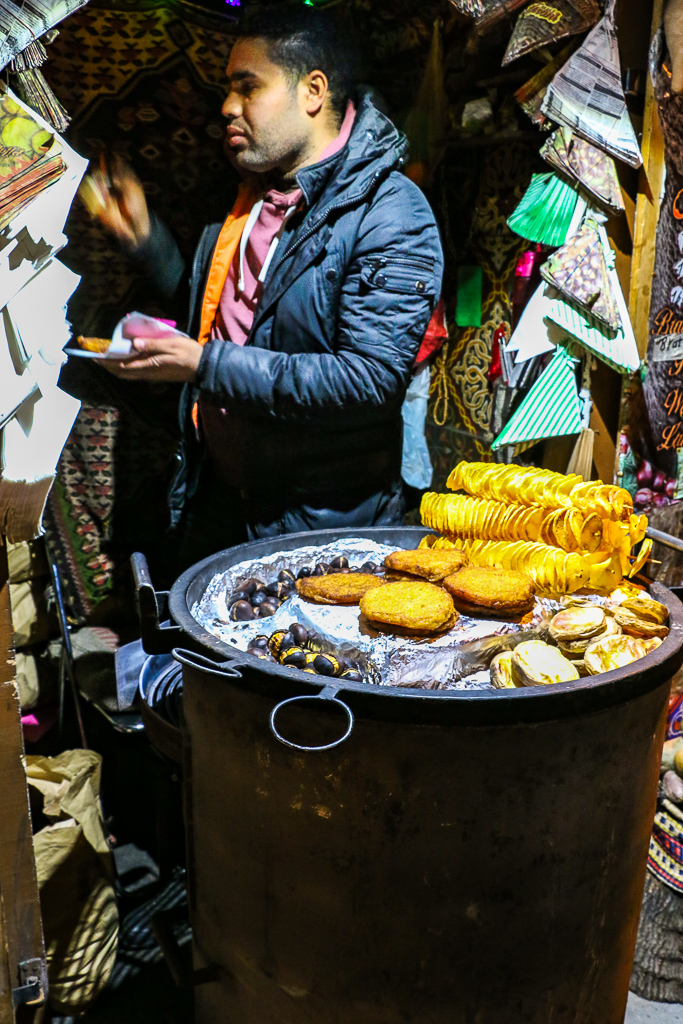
(530, 96)
(579, 271)
(592, 169)
(545, 22)
(587, 95)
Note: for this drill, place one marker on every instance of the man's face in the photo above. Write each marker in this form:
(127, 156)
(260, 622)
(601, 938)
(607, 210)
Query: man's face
(267, 126)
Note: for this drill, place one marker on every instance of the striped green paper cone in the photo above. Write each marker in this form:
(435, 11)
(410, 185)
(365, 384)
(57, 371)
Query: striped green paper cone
(551, 409)
(546, 210)
(616, 348)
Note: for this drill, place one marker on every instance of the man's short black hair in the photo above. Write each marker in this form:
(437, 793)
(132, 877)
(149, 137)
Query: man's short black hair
(300, 40)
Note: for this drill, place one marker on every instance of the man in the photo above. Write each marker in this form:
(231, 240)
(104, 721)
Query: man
(307, 307)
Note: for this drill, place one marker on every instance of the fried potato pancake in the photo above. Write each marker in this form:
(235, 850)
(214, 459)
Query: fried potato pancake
(411, 609)
(484, 591)
(426, 563)
(338, 588)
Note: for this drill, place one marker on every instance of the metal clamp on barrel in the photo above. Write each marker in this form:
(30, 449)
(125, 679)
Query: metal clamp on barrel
(330, 693)
(200, 661)
(152, 608)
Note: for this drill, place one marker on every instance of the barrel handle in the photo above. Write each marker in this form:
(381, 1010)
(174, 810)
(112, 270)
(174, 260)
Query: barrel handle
(330, 693)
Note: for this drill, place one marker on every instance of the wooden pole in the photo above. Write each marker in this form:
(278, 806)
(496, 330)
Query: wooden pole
(21, 921)
(647, 209)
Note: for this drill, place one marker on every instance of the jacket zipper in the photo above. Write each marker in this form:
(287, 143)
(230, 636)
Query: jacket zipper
(321, 220)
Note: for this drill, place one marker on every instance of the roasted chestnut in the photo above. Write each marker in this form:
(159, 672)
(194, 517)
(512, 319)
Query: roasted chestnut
(352, 675)
(259, 641)
(250, 586)
(275, 640)
(259, 652)
(310, 658)
(326, 665)
(340, 562)
(237, 595)
(293, 657)
(269, 607)
(369, 567)
(281, 641)
(314, 642)
(286, 576)
(321, 569)
(242, 611)
(304, 572)
(258, 598)
(278, 590)
(300, 634)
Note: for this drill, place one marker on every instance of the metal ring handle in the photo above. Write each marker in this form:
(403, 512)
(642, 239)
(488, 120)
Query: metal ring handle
(317, 697)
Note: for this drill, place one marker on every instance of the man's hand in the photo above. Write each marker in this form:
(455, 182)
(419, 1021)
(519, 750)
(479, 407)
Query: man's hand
(159, 359)
(673, 29)
(116, 197)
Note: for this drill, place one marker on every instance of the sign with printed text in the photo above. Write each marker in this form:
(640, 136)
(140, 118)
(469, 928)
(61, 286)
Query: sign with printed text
(666, 348)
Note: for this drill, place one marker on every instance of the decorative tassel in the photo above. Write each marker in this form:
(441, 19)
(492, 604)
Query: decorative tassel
(32, 87)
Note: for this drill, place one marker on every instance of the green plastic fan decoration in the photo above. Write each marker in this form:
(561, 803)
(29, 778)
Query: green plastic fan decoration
(546, 210)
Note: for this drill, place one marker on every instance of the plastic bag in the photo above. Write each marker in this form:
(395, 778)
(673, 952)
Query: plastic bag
(73, 865)
(416, 469)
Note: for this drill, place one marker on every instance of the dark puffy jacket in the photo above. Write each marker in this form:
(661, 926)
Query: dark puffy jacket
(313, 401)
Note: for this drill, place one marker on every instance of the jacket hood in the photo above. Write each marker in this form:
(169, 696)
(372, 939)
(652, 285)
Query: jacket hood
(375, 148)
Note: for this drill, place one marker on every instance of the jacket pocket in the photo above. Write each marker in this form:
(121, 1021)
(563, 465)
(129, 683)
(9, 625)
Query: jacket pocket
(407, 275)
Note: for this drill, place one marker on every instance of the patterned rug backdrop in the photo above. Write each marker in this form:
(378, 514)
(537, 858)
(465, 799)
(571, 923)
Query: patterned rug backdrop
(144, 81)
(144, 78)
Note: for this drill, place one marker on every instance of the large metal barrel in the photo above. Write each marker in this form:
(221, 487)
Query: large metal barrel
(467, 857)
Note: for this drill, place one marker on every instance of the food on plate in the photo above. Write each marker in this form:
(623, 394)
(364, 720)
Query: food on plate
(490, 592)
(430, 565)
(610, 652)
(341, 588)
(501, 671)
(407, 608)
(535, 663)
(93, 344)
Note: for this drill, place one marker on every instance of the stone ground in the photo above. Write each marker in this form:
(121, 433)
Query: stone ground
(640, 1011)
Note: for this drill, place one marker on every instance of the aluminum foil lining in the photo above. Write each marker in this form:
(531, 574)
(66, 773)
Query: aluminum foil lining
(455, 661)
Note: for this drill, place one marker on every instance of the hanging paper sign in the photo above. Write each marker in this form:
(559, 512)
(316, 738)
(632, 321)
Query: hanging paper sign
(666, 348)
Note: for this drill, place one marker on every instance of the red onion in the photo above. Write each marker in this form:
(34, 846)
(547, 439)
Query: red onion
(660, 499)
(671, 484)
(643, 497)
(659, 482)
(645, 474)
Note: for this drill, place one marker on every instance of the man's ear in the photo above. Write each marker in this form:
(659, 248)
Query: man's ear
(316, 89)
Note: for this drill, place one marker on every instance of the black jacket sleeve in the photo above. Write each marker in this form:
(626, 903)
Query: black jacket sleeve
(161, 259)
